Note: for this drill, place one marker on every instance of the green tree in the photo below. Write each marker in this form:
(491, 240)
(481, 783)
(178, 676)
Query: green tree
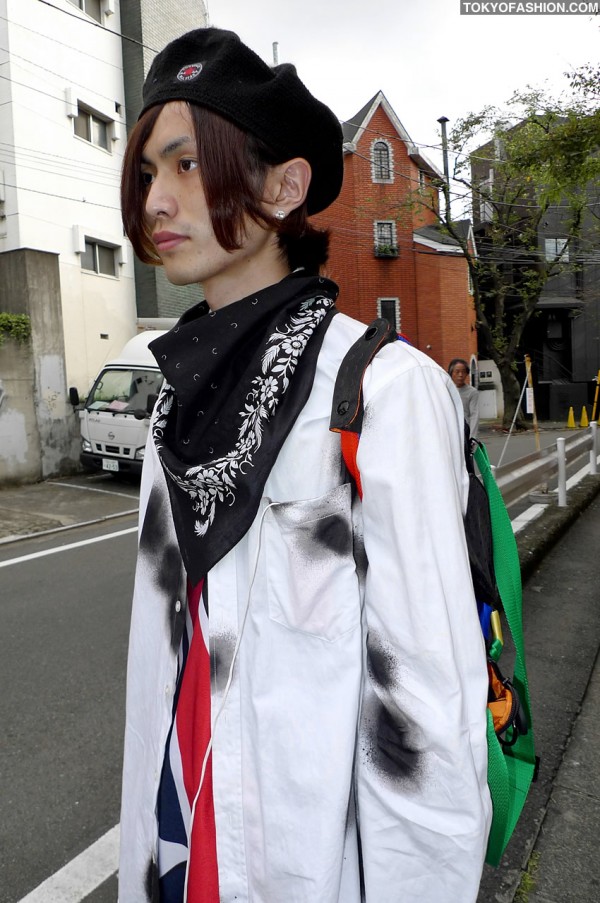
(513, 168)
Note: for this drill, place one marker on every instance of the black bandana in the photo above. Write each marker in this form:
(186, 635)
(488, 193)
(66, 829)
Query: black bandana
(228, 372)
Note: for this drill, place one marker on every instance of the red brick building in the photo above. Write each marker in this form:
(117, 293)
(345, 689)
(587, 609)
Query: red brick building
(387, 254)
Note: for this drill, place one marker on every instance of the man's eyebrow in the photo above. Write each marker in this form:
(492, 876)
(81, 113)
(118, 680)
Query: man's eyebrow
(172, 147)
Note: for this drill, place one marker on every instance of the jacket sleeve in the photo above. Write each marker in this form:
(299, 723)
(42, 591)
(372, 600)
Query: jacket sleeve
(423, 801)
(474, 414)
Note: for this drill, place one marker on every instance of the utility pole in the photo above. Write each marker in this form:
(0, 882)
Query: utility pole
(442, 121)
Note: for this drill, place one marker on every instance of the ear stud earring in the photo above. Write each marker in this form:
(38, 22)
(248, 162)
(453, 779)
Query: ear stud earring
(280, 214)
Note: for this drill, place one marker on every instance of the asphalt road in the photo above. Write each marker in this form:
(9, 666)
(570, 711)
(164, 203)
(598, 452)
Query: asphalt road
(505, 447)
(65, 623)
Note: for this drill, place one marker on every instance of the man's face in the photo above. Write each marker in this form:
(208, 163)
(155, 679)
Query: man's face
(178, 217)
(459, 375)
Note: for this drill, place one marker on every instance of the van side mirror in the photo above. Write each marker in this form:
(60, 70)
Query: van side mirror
(152, 399)
(74, 396)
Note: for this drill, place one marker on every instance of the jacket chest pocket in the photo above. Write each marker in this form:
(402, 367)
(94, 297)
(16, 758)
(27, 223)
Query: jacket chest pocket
(312, 583)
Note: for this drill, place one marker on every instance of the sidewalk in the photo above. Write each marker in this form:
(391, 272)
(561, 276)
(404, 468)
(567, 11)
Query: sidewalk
(62, 503)
(553, 856)
(554, 852)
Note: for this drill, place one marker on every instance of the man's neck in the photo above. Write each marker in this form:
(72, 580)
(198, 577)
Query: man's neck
(233, 286)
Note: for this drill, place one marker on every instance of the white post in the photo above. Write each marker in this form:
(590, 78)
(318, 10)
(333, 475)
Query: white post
(562, 473)
(594, 451)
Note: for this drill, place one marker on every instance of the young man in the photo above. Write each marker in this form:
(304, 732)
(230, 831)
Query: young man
(459, 371)
(306, 685)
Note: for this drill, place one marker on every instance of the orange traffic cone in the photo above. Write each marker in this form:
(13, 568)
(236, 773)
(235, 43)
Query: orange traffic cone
(571, 420)
(584, 417)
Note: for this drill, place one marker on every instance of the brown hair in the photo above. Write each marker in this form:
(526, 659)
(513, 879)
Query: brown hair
(233, 166)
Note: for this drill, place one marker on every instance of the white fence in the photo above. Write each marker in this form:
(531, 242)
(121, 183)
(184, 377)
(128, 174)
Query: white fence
(518, 479)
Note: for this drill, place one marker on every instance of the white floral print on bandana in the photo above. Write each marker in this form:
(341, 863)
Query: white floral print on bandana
(215, 482)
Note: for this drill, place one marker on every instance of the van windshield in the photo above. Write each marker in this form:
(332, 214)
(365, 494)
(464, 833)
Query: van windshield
(124, 391)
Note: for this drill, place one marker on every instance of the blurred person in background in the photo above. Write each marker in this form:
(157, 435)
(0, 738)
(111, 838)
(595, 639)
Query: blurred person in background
(460, 373)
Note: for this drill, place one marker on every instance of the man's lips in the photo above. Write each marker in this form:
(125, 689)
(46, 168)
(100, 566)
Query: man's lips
(165, 241)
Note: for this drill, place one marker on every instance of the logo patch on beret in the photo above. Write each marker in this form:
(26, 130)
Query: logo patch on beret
(189, 72)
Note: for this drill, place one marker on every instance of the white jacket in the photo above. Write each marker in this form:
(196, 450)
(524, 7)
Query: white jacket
(354, 728)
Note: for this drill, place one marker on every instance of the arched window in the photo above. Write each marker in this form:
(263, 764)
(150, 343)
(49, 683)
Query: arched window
(382, 170)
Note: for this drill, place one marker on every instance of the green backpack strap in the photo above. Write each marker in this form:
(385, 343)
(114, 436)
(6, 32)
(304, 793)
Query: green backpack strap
(510, 768)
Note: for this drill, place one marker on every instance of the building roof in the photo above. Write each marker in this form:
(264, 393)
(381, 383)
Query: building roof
(354, 128)
(435, 236)
(351, 127)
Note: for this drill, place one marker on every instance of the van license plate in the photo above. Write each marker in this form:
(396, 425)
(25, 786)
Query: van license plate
(109, 464)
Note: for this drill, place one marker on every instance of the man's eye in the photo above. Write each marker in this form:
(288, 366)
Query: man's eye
(146, 179)
(188, 165)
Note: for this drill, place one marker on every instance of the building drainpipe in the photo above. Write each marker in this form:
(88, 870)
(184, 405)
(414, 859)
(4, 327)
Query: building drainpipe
(442, 121)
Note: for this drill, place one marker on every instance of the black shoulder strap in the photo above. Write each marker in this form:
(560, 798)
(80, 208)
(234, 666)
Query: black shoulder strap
(347, 407)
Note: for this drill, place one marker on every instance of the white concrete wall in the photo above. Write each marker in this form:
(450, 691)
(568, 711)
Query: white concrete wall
(66, 187)
(20, 456)
(491, 397)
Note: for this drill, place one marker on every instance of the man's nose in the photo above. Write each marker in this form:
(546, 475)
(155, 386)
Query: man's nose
(160, 201)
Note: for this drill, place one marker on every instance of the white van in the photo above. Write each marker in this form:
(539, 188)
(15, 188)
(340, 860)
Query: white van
(116, 416)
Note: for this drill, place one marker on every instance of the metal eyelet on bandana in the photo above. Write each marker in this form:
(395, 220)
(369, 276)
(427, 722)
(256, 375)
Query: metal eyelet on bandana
(197, 377)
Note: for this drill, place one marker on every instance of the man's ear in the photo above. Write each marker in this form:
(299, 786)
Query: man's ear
(287, 184)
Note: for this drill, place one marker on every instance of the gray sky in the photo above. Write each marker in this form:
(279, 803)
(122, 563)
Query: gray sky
(427, 59)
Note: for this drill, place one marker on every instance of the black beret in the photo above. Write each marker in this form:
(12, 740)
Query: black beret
(214, 69)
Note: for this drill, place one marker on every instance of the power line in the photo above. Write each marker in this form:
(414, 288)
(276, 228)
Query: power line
(60, 160)
(89, 21)
(81, 166)
(63, 197)
(59, 97)
(393, 137)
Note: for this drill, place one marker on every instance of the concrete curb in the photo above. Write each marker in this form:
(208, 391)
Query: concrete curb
(537, 539)
(48, 531)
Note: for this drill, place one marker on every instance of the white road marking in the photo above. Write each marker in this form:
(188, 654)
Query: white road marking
(82, 875)
(72, 545)
(575, 479)
(124, 495)
(527, 516)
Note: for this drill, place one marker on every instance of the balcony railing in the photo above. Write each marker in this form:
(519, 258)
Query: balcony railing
(382, 250)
